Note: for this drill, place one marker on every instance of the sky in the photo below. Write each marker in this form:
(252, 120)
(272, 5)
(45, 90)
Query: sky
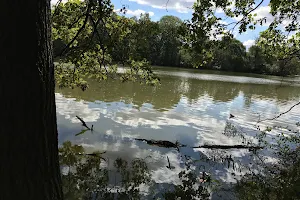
(183, 10)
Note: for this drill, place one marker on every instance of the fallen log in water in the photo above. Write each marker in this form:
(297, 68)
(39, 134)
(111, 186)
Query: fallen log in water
(162, 143)
(227, 147)
(168, 144)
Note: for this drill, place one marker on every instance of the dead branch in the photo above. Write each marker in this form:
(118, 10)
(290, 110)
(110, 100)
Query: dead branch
(168, 144)
(227, 147)
(276, 117)
(169, 164)
(83, 122)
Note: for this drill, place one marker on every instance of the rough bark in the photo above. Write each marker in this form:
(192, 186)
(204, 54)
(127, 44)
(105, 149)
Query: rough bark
(29, 166)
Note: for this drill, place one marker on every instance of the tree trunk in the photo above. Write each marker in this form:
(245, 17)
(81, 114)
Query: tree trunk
(29, 166)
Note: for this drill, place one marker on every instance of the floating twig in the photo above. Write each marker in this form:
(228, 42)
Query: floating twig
(169, 166)
(162, 143)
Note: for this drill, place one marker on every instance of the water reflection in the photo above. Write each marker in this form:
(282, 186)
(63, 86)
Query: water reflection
(172, 89)
(90, 176)
(184, 108)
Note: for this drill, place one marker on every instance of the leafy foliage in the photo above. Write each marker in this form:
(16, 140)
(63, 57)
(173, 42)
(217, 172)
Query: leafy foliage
(280, 180)
(86, 176)
(90, 32)
(189, 189)
(205, 27)
(91, 40)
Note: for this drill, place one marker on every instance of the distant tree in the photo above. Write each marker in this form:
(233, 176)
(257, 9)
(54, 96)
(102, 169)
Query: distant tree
(230, 55)
(145, 39)
(278, 52)
(257, 62)
(169, 40)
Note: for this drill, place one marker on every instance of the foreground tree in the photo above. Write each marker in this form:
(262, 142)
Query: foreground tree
(29, 155)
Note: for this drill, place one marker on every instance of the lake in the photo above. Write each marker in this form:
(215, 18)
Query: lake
(190, 106)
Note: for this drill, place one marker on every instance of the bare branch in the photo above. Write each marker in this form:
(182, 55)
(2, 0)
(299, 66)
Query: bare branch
(83, 122)
(228, 147)
(167, 5)
(276, 117)
(168, 144)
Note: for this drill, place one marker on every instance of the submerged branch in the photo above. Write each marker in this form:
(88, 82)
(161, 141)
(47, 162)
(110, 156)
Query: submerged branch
(83, 124)
(162, 143)
(168, 144)
(228, 147)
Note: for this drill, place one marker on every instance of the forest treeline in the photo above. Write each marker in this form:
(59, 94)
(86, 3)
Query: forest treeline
(162, 43)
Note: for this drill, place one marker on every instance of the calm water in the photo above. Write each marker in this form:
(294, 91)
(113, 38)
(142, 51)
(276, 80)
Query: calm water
(190, 106)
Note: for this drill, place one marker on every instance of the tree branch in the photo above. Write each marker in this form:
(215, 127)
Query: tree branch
(168, 144)
(276, 117)
(228, 147)
(167, 5)
(79, 31)
(245, 16)
(56, 7)
(76, 21)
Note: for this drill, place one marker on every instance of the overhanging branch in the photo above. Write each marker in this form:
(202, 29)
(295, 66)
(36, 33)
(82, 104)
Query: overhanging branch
(246, 15)
(79, 31)
(276, 117)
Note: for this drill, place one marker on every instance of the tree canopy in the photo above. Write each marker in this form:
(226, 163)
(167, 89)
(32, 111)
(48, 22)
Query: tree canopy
(91, 40)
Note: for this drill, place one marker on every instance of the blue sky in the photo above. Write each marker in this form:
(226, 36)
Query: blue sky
(183, 10)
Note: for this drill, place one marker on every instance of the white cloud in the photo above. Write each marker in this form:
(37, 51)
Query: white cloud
(249, 43)
(262, 12)
(223, 22)
(238, 18)
(138, 12)
(219, 10)
(69, 108)
(181, 6)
